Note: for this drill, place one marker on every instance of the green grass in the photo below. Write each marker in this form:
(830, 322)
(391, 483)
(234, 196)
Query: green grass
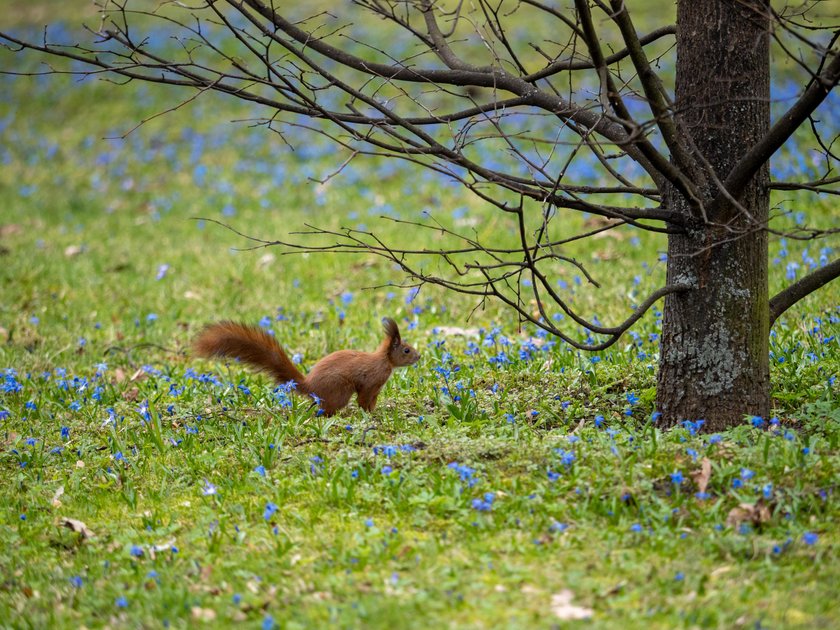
(114, 424)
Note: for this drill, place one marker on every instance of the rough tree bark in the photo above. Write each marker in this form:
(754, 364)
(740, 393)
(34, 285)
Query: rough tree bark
(714, 355)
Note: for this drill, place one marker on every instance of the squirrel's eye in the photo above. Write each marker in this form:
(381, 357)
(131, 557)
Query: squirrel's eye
(406, 350)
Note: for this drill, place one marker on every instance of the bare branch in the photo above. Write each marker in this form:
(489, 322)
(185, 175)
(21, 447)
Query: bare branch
(802, 288)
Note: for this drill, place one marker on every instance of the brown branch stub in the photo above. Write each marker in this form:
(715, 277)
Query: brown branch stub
(802, 288)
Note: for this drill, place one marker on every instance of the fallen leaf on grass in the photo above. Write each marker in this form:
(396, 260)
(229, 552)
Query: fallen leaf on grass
(57, 495)
(720, 571)
(73, 250)
(563, 608)
(10, 229)
(203, 614)
(756, 514)
(77, 526)
(131, 394)
(701, 477)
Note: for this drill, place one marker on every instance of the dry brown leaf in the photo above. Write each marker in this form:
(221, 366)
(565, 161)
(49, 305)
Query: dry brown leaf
(119, 375)
(57, 496)
(701, 477)
(10, 439)
(563, 608)
(72, 250)
(77, 526)
(131, 394)
(139, 375)
(203, 614)
(10, 229)
(756, 514)
(720, 571)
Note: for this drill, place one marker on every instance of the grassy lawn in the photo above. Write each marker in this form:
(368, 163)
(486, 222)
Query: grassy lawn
(506, 480)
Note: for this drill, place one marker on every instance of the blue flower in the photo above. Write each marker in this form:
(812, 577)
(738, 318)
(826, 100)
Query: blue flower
(121, 602)
(810, 538)
(209, 489)
(161, 271)
(260, 470)
(387, 470)
(677, 477)
(65, 433)
(757, 421)
(464, 472)
(76, 581)
(484, 504)
(270, 509)
(268, 623)
(636, 527)
(136, 551)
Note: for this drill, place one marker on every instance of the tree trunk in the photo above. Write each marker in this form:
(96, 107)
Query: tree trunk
(714, 361)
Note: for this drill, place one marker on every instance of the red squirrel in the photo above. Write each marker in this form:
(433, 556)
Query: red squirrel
(332, 380)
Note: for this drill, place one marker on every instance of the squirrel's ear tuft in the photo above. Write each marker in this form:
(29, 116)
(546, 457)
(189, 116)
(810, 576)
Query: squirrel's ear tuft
(392, 330)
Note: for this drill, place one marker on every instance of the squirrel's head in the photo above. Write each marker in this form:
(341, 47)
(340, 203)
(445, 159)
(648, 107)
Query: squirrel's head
(399, 353)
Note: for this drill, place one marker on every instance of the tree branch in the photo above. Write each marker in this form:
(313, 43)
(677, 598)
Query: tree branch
(802, 288)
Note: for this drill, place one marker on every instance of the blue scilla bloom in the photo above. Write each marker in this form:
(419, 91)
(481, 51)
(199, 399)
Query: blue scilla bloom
(270, 509)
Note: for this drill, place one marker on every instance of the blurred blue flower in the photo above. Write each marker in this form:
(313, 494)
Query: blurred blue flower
(270, 509)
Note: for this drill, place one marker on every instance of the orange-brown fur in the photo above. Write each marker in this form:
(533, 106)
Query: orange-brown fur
(334, 379)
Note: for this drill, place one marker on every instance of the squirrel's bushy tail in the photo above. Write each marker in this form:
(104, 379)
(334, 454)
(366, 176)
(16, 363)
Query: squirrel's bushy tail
(250, 345)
